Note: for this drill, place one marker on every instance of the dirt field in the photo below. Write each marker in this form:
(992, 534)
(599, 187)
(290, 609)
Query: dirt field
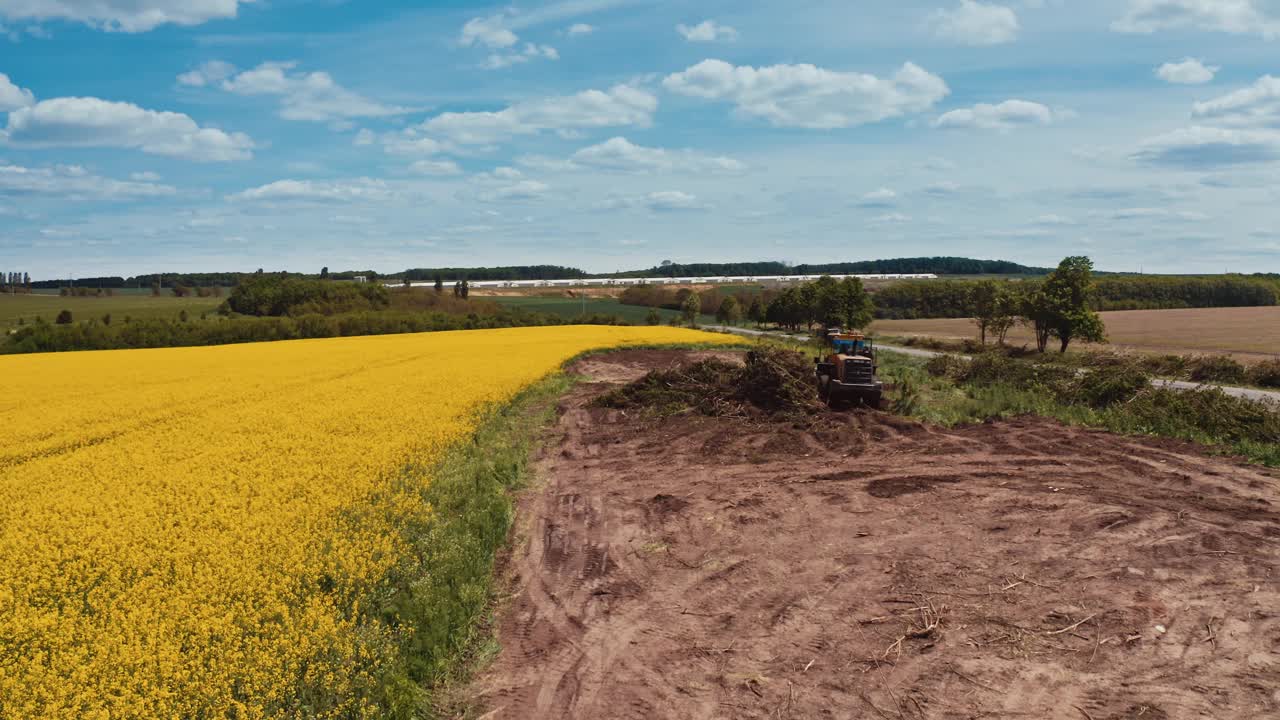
(872, 567)
(1247, 333)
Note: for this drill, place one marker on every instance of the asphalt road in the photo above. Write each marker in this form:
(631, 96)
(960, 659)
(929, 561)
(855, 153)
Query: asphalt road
(1240, 392)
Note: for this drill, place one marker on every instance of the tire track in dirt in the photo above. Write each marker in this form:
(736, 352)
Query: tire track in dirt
(874, 567)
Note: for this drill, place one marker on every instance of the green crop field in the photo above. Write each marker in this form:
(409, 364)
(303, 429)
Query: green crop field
(16, 309)
(574, 307)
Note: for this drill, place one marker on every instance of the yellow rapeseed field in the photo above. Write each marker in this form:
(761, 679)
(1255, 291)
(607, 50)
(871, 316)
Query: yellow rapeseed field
(200, 532)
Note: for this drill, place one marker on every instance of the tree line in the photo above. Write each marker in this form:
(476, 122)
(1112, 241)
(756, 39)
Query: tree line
(14, 282)
(909, 300)
(895, 266)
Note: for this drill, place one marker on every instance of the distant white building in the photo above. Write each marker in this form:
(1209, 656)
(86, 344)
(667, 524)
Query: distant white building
(360, 279)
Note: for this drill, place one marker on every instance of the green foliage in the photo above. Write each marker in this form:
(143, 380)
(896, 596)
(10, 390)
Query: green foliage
(995, 310)
(512, 272)
(729, 312)
(440, 591)
(275, 296)
(690, 308)
(154, 333)
(1059, 307)
(64, 318)
(1265, 374)
(1112, 386)
(948, 366)
(1216, 369)
(1206, 415)
(653, 317)
(1155, 292)
(756, 311)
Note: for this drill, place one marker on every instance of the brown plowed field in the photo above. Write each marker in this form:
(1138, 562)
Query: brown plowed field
(873, 567)
(1250, 334)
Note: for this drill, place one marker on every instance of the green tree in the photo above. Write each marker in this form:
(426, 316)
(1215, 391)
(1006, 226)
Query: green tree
(756, 311)
(729, 312)
(1059, 307)
(324, 273)
(466, 290)
(653, 317)
(994, 310)
(691, 308)
(855, 308)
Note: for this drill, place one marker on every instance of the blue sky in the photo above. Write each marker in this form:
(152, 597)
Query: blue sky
(163, 135)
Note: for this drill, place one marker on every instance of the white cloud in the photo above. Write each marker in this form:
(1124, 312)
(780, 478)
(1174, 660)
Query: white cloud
(1255, 106)
(1054, 220)
(364, 137)
(91, 122)
(1144, 213)
(13, 97)
(580, 29)
(940, 189)
(1206, 148)
(435, 167)
(620, 106)
(489, 32)
(808, 96)
(1004, 117)
(497, 61)
(671, 200)
(507, 173)
(706, 31)
(314, 191)
(213, 71)
(1230, 16)
(881, 198)
(622, 155)
(891, 219)
(147, 176)
(307, 96)
(975, 23)
(521, 190)
(129, 16)
(74, 182)
(1188, 72)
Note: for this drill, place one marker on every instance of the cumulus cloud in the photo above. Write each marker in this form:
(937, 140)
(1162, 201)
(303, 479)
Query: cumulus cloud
(891, 219)
(490, 32)
(147, 176)
(1231, 16)
(315, 191)
(531, 51)
(622, 155)
(975, 23)
(671, 201)
(580, 29)
(811, 97)
(1004, 117)
(74, 182)
(706, 31)
(306, 96)
(620, 106)
(13, 97)
(131, 16)
(91, 122)
(209, 73)
(1205, 148)
(883, 197)
(516, 191)
(1188, 72)
(435, 167)
(1255, 106)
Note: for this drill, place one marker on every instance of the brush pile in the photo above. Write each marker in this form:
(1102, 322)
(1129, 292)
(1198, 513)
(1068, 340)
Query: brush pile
(771, 384)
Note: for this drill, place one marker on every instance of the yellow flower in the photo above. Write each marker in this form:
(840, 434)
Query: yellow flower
(195, 532)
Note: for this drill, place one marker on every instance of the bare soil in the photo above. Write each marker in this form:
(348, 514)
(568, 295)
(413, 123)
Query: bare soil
(873, 567)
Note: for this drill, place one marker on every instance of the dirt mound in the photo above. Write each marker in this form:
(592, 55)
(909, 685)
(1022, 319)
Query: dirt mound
(1012, 569)
(771, 383)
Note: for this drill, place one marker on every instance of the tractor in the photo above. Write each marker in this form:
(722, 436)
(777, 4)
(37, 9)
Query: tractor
(848, 373)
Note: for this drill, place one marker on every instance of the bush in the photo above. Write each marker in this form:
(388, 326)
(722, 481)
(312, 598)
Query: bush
(64, 318)
(1105, 387)
(1265, 374)
(1216, 368)
(1203, 414)
(947, 366)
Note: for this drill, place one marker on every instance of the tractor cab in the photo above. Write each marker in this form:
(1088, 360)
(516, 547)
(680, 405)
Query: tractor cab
(849, 370)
